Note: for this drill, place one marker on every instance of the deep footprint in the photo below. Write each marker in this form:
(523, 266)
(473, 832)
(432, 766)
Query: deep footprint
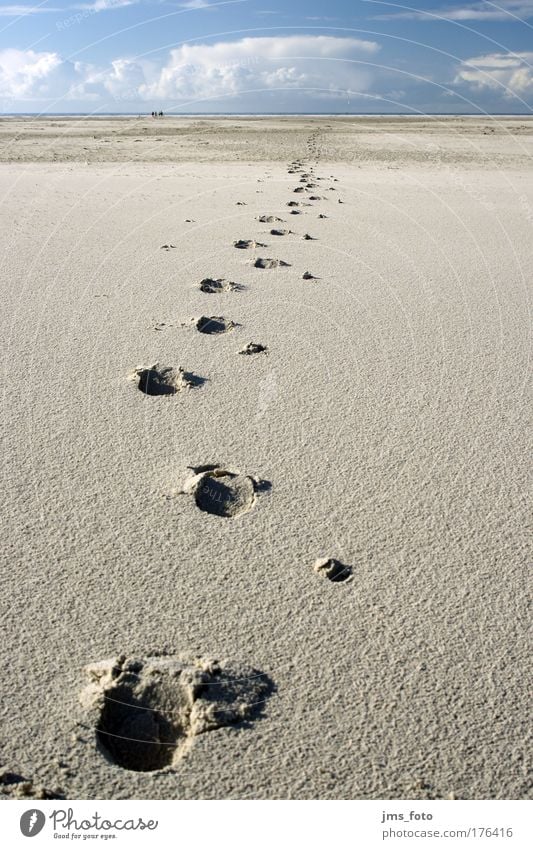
(270, 263)
(333, 569)
(164, 380)
(214, 324)
(212, 286)
(222, 492)
(254, 348)
(147, 710)
(248, 244)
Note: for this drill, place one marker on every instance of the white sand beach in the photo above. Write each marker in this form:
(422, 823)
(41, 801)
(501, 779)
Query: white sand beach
(176, 530)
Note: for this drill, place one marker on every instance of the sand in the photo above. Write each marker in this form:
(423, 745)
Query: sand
(336, 520)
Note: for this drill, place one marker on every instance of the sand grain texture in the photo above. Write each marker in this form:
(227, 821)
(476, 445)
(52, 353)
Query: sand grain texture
(389, 418)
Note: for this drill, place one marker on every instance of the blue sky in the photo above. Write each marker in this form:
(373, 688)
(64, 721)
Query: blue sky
(266, 56)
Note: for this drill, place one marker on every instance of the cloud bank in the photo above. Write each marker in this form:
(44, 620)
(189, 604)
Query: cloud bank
(322, 65)
(504, 10)
(509, 73)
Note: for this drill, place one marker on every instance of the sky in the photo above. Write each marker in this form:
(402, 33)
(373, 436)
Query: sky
(263, 56)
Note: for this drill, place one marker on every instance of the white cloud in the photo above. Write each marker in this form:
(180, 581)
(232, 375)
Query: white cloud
(321, 65)
(19, 10)
(103, 5)
(24, 73)
(251, 64)
(195, 4)
(504, 10)
(512, 71)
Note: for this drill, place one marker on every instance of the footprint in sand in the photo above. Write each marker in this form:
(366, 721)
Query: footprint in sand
(167, 247)
(261, 262)
(333, 569)
(315, 197)
(298, 189)
(15, 786)
(147, 710)
(280, 232)
(222, 492)
(268, 219)
(254, 348)
(212, 286)
(296, 211)
(248, 244)
(293, 203)
(308, 276)
(164, 380)
(322, 215)
(309, 238)
(214, 324)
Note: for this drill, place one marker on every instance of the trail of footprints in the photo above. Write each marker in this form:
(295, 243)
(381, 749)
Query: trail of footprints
(147, 710)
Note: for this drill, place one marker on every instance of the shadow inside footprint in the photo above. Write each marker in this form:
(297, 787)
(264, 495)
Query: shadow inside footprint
(150, 708)
(333, 569)
(134, 732)
(165, 380)
(247, 244)
(212, 286)
(222, 492)
(270, 263)
(214, 324)
(11, 778)
(254, 348)
(225, 494)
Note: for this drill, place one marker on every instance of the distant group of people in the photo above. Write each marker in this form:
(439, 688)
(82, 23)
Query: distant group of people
(157, 114)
